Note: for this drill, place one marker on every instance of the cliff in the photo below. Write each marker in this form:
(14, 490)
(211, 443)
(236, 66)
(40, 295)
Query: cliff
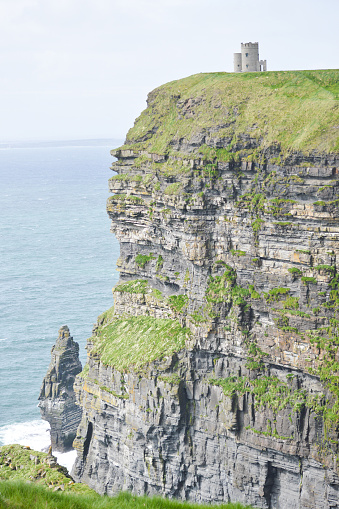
(57, 397)
(214, 375)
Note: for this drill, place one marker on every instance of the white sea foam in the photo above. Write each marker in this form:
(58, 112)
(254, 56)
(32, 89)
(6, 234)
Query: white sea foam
(66, 459)
(33, 433)
(36, 435)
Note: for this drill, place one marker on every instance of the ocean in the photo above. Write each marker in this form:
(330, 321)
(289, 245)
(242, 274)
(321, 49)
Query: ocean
(58, 262)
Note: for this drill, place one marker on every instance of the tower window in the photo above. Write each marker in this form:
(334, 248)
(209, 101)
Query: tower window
(247, 54)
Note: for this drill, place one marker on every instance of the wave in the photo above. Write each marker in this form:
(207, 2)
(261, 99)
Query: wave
(34, 434)
(66, 459)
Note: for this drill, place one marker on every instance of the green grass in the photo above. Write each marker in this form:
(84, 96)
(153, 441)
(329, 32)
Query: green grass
(134, 286)
(329, 269)
(132, 341)
(22, 468)
(142, 260)
(178, 302)
(126, 177)
(173, 189)
(130, 199)
(238, 252)
(309, 280)
(269, 392)
(275, 294)
(296, 109)
(28, 496)
(294, 271)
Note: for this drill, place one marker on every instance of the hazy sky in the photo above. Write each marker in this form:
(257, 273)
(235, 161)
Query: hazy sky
(83, 68)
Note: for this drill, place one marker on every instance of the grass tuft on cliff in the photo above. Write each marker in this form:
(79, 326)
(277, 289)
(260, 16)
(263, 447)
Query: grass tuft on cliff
(132, 341)
(18, 463)
(27, 496)
(297, 110)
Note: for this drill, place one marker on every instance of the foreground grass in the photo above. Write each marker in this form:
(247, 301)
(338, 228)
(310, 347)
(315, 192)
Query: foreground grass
(21, 464)
(21, 495)
(28, 482)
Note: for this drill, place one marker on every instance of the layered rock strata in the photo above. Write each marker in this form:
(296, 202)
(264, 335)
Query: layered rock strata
(214, 376)
(57, 397)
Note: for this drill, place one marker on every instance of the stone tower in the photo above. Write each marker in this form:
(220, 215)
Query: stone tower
(248, 59)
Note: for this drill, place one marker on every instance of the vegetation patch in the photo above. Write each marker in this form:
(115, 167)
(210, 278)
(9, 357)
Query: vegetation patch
(303, 251)
(18, 463)
(130, 342)
(134, 286)
(84, 373)
(159, 263)
(120, 176)
(254, 293)
(178, 302)
(157, 294)
(283, 223)
(300, 108)
(173, 379)
(219, 287)
(256, 225)
(329, 269)
(309, 280)
(282, 201)
(133, 200)
(291, 303)
(126, 177)
(294, 271)
(173, 189)
(142, 260)
(238, 252)
(21, 495)
(276, 294)
(107, 389)
(270, 392)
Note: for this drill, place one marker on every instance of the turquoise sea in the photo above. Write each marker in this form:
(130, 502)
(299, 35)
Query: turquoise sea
(58, 261)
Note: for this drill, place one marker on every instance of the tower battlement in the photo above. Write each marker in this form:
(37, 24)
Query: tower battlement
(249, 45)
(248, 59)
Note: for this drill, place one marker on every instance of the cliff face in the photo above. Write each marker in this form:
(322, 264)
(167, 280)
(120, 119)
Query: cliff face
(214, 376)
(57, 397)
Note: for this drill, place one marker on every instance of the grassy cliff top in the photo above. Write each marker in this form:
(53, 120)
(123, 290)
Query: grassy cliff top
(296, 110)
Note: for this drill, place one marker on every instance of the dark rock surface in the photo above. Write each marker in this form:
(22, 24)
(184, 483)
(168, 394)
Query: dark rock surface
(57, 397)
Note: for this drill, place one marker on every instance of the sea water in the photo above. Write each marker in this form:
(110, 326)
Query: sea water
(57, 267)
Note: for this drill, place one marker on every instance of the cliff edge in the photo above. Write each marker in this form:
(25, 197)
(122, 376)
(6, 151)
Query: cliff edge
(214, 377)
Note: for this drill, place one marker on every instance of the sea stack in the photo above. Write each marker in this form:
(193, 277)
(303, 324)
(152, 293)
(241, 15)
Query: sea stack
(57, 398)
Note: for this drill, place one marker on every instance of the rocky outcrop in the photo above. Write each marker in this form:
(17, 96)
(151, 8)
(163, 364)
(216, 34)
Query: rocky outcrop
(57, 397)
(21, 464)
(214, 375)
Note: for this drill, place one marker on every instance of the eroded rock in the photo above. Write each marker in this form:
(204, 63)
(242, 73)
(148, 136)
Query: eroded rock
(57, 397)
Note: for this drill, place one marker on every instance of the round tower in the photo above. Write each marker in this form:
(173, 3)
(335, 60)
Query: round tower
(237, 62)
(250, 57)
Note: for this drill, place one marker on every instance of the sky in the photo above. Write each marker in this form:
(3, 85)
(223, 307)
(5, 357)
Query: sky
(75, 69)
